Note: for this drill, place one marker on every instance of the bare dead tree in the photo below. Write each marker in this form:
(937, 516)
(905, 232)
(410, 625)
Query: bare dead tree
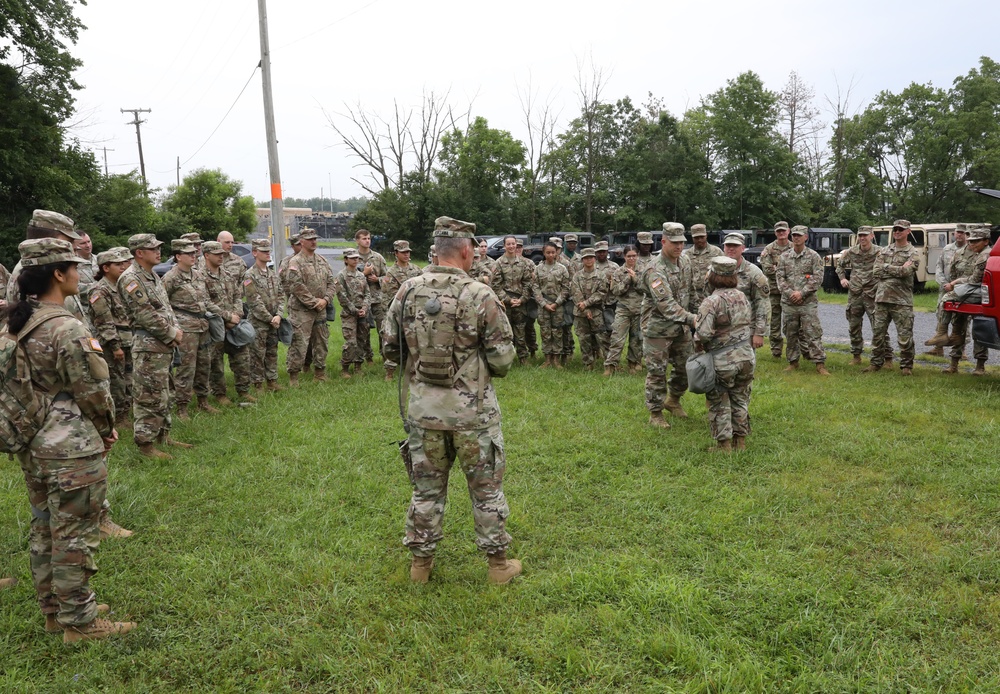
(370, 145)
(590, 85)
(798, 114)
(540, 121)
(436, 118)
(843, 139)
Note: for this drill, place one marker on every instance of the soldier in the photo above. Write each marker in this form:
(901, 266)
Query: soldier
(296, 244)
(552, 288)
(942, 276)
(644, 242)
(769, 264)
(800, 274)
(393, 280)
(265, 299)
(189, 298)
(195, 238)
(4, 281)
(860, 260)
(432, 257)
(488, 261)
(481, 272)
(64, 466)
(894, 270)
(233, 264)
(587, 289)
(155, 333)
(310, 284)
(602, 264)
(700, 256)
(111, 327)
(568, 258)
(625, 286)
(967, 267)
(374, 269)
(513, 282)
(456, 338)
(725, 324)
(226, 293)
(751, 281)
(666, 334)
(354, 298)
(84, 248)
(530, 307)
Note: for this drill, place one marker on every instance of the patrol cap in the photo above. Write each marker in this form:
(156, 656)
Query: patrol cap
(212, 248)
(734, 239)
(698, 230)
(644, 237)
(351, 253)
(36, 252)
(475, 252)
(601, 246)
(979, 234)
(571, 238)
(402, 246)
(864, 230)
(901, 224)
(193, 237)
(263, 245)
(182, 246)
(673, 231)
(216, 327)
(799, 230)
(519, 242)
(285, 332)
(588, 253)
(53, 221)
(446, 227)
(138, 242)
(557, 241)
(118, 254)
(781, 225)
(723, 265)
(241, 334)
(307, 233)
(294, 240)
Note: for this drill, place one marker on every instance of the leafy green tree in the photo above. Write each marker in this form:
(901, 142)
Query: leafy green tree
(211, 202)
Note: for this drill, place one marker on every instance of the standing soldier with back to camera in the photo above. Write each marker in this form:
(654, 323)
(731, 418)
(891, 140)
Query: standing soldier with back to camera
(451, 335)
(265, 300)
(894, 269)
(394, 277)
(372, 266)
(769, 264)
(860, 260)
(800, 274)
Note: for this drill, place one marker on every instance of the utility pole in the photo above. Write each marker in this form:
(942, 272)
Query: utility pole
(106, 160)
(138, 136)
(178, 172)
(277, 201)
(330, 183)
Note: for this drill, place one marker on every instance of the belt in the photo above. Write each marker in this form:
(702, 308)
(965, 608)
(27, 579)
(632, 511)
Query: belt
(189, 313)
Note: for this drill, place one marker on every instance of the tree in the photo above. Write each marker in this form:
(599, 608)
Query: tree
(210, 202)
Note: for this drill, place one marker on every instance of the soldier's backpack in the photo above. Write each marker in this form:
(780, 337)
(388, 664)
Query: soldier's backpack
(22, 408)
(433, 314)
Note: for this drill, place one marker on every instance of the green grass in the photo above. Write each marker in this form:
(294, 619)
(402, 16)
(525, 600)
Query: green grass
(922, 301)
(853, 547)
(336, 244)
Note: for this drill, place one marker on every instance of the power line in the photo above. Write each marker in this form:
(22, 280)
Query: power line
(324, 28)
(225, 116)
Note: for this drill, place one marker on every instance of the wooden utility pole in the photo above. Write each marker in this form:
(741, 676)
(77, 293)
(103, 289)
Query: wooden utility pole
(178, 172)
(138, 136)
(106, 160)
(277, 201)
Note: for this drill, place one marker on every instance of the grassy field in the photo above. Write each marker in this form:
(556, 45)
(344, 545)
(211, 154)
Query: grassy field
(342, 243)
(852, 548)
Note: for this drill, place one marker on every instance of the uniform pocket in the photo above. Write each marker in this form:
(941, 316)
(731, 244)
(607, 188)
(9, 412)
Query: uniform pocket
(82, 476)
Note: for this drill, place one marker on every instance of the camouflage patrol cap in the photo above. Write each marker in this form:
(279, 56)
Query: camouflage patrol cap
(285, 332)
(734, 239)
(182, 246)
(571, 238)
(901, 224)
(118, 254)
(673, 231)
(446, 227)
(241, 334)
(263, 245)
(557, 241)
(601, 246)
(351, 253)
(36, 252)
(698, 230)
(519, 242)
(138, 242)
(53, 221)
(212, 248)
(294, 240)
(402, 246)
(588, 253)
(475, 252)
(307, 233)
(979, 234)
(723, 265)
(644, 237)
(864, 230)
(799, 230)
(781, 225)
(193, 237)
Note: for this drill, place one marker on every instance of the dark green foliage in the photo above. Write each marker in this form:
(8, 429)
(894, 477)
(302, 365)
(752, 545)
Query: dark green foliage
(210, 202)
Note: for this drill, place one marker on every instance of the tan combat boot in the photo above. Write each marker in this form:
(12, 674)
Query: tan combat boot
(320, 375)
(905, 372)
(980, 369)
(955, 340)
(246, 397)
(224, 400)
(53, 626)
(656, 420)
(609, 371)
(110, 529)
(673, 406)
(821, 369)
(887, 364)
(953, 367)
(792, 366)
(390, 374)
(149, 451)
(871, 369)
(293, 380)
(98, 629)
(274, 387)
(420, 569)
(722, 446)
(345, 372)
(633, 369)
(940, 337)
(856, 361)
(205, 407)
(502, 569)
(182, 412)
(7, 583)
(739, 443)
(936, 352)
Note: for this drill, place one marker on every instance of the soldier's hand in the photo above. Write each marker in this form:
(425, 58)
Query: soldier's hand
(908, 263)
(515, 302)
(236, 318)
(551, 308)
(110, 441)
(362, 312)
(118, 354)
(276, 321)
(757, 341)
(949, 286)
(845, 284)
(180, 337)
(320, 304)
(581, 305)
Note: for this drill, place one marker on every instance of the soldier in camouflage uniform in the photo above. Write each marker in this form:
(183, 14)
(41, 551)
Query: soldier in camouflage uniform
(894, 270)
(567, 261)
(860, 260)
(751, 281)
(265, 300)
(552, 290)
(530, 308)
(587, 290)
(111, 327)
(485, 259)
(724, 322)
(625, 285)
(800, 274)
(769, 264)
(393, 280)
(155, 334)
(84, 248)
(226, 293)
(355, 300)
(446, 320)
(967, 267)
(480, 271)
(373, 267)
(188, 294)
(942, 277)
(610, 304)
(513, 283)
(310, 285)
(666, 334)
(700, 256)
(64, 466)
(4, 281)
(644, 243)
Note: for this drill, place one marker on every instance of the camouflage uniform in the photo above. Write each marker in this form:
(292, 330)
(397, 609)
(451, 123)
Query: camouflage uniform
(190, 300)
(376, 307)
(567, 329)
(461, 421)
(627, 314)
(265, 299)
(154, 331)
(942, 276)
(4, 282)
(228, 297)
(590, 287)
(393, 280)
(700, 261)
(552, 286)
(283, 277)
(769, 264)
(308, 280)
(860, 292)
(353, 295)
(967, 267)
(514, 279)
(112, 328)
(725, 318)
(754, 285)
(894, 302)
(530, 315)
(801, 272)
(666, 333)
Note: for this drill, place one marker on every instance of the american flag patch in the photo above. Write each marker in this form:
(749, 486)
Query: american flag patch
(657, 283)
(131, 287)
(94, 297)
(247, 281)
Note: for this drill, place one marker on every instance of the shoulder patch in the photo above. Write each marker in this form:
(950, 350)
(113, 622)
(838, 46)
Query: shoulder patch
(94, 296)
(656, 283)
(91, 344)
(132, 286)
(247, 281)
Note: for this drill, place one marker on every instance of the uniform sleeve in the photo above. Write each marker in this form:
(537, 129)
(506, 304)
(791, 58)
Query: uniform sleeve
(767, 262)
(497, 284)
(255, 300)
(664, 300)
(344, 295)
(705, 323)
(497, 337)
(815, 278)
(103, 320)
(80, 361)
(781, 275)
(759, 299)
(297, 286)
(941, 271)
(844, 264)
(144, 316)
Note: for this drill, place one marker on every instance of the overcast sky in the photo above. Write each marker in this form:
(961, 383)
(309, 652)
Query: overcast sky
(188, 60)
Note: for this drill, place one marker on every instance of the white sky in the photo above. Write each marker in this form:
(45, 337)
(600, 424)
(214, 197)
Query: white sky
(188, 60)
